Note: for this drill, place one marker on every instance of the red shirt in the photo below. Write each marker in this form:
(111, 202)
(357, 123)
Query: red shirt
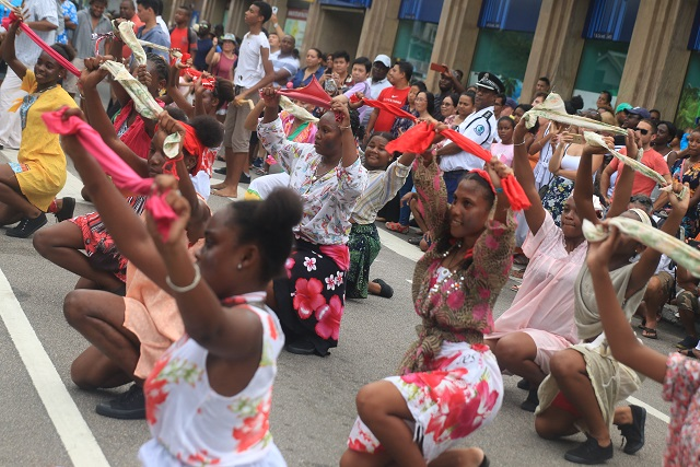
(179, 39)
(398, 97)
(642, 184)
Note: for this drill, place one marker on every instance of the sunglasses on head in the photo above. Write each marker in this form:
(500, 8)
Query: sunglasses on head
(643, 131)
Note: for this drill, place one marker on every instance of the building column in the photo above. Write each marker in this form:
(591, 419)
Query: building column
(658, 56)
(333, 29)
(455, 40)
(379, 29)
(557, 47)
(236, 18)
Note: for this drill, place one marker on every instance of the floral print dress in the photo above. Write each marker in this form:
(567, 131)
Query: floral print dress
(689, 172)
(682, 389)
(311, 299)
(449, 379)
(192, 424)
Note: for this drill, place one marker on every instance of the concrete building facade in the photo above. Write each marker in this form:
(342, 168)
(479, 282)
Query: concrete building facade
(646, 52)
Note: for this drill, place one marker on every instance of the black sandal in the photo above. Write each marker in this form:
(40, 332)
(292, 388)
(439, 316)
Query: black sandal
(649, 333)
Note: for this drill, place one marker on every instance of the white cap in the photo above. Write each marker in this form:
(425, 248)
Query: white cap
(384, 59)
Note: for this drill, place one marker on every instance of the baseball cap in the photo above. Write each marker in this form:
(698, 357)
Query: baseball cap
(490, 81)
(641, 111)
(622, 107)
(383, 59)
(510, 102)
(228, 37)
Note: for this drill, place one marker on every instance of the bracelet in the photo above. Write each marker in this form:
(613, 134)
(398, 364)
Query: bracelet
(520, 143)
(186, 288)
(345, 127)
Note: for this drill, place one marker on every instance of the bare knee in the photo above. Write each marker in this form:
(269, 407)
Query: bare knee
(82, 376)
(544, 428)
(75, 307)
(43, 242)
(368, 401)
(565, 364)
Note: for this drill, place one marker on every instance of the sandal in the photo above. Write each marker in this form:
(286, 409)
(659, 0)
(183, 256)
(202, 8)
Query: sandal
(649, 333)
(386, 291)
(415, 240)
(396, 227)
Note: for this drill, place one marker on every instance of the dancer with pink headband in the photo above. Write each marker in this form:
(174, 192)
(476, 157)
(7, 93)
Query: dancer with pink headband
(449, 383)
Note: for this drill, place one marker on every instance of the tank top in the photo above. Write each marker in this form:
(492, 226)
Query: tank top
(189, 419)
(225, 65)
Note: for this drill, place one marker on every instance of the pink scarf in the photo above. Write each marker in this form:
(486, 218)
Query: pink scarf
(122, 175)
(46, 48)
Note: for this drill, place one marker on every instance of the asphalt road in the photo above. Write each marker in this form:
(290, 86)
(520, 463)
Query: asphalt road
(53, 423)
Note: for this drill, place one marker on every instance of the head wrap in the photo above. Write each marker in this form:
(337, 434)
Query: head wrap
(643, 216)
(485, 175)
(194, 147)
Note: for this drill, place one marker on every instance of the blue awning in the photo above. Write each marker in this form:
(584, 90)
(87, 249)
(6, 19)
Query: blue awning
(348, 3)
(694, 42)
(421, 10)
(510, 15)
(611, 20)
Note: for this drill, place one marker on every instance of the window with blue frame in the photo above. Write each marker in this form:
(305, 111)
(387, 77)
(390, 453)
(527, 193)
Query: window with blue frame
(348, 3)
(505, 39)
(418, 23)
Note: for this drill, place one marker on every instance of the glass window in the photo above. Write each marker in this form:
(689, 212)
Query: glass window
(689, 103)
(600, 69)
(414, 42)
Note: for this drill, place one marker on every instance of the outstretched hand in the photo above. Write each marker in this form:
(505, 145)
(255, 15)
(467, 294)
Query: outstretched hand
(341, 109)
(166, 185)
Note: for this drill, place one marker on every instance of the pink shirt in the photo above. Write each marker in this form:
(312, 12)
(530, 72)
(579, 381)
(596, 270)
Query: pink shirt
(545, 300)
(682, 388)
(504, 152)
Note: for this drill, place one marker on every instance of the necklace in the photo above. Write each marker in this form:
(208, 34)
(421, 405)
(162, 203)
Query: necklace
(316, 175)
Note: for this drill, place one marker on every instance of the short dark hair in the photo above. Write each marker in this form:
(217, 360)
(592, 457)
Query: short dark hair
(650, 122)
(208, 129)
(545, 79)
(420, 85)
(363, 61)
(525, 107)
(406, 68)
(341, 54)
(672, 130)
(65, 50)
(608, 96)
(154, 5)
(507, 119)
(430, 97)
(318, 51)
(104, 2)
(454, 97)
(185, 8)
(268, 224)
(265, 10)
(502, 97)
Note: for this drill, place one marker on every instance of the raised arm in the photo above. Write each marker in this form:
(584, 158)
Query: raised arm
(251, 120)
(523, 173)
(8, 48)
(350, 154)
(625, 180)
(624, 345)
(97, 116)
(174, 91)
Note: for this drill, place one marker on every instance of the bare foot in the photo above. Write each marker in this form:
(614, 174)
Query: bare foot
(219, 186)
(226, 192)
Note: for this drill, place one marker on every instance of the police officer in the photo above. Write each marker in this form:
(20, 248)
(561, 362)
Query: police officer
(480, 127)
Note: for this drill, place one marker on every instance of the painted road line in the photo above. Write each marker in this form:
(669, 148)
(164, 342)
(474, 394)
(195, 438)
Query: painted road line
(74, 432)
(399, 246)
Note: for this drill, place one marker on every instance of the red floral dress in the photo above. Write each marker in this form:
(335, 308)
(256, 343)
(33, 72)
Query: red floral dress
(193, 425)
(682, 388)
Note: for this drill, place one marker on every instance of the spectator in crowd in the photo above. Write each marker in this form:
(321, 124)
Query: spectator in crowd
(604, 101)
(222, 63)
(313, 68)
(205, 42)
(539, 98)
(621, 113)
(182, 36)
(480, 127)
(253, 72)
(643, 185)
(275, 44)
(688, 308)
(465, 106)
(341, 71)
(380, 69)
(498, 105)
(127, 11)
(503, 149)
(450, 82)
(635, 115)
(91, 21)
(284, 63)
(448, 108)
(543, 85)
(665, 132)
(70, 22)
(399, 76)
(655, 114)
(151, 31)
(508, 107)
(520, 111)
(42, 17)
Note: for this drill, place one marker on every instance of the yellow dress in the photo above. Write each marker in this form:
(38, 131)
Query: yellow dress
(41, 168)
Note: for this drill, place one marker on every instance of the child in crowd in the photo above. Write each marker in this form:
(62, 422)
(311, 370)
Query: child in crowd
(449, 384)
(503, 149)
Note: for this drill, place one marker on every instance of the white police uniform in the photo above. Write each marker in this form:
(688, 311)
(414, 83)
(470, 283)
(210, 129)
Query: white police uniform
(479, 127)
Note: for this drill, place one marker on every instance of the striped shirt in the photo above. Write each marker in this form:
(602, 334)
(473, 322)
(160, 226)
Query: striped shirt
(381, 187)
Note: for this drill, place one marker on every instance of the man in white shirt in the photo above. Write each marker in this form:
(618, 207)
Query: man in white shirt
(283, 62)
(379, 81)
(253, 72)
(480, 127)
(42, 17)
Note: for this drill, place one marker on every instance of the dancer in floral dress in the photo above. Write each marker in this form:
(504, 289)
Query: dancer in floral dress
(449, 384)
(329, 177)
(208, 397)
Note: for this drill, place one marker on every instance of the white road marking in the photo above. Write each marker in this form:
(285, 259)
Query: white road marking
(650, 410)
(74, 432)
(399, 246)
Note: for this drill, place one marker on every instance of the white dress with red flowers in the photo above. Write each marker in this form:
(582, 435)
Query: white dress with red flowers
(462, 393)
(193, 425)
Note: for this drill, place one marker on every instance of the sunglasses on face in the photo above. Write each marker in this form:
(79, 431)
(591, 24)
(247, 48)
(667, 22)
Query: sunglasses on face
(643, 131)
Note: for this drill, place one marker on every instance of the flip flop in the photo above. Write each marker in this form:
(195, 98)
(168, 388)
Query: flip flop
(396, 227)
(649, 333)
